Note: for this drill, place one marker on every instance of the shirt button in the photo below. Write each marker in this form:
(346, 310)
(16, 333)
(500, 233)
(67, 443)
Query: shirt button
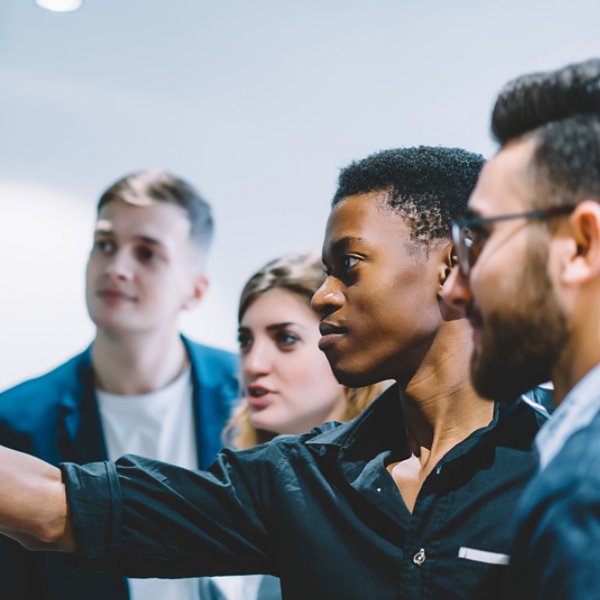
(419, 558)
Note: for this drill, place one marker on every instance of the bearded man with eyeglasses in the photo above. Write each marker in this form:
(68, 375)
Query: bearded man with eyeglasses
(528, 278)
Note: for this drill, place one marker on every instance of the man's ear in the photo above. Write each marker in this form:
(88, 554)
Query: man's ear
(200, 285)
(583, 259)
(447, 263)
(448, 267)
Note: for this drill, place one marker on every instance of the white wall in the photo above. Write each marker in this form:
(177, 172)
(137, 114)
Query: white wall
(45, 234)
(257, 103)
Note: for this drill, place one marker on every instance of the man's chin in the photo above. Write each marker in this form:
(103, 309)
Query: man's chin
(352, 377)
(504, 384)
(497, 389)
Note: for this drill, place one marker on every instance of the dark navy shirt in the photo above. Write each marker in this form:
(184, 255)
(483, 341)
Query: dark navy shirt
(319, 510)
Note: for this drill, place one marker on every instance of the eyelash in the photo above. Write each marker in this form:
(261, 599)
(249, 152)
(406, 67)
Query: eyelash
(103, 246)
(143, 253)
(346, 259)
(244, 342)
(284, 340)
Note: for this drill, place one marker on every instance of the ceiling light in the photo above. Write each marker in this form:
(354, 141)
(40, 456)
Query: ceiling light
(59, 5)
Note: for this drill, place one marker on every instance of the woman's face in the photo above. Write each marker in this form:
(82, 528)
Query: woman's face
(287, 381)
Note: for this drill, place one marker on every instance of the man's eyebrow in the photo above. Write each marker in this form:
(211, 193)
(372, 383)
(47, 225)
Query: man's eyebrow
(342, 244)
(107, 229)
(149, 240)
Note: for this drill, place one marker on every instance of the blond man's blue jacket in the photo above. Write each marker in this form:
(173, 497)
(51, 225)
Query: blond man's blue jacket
(55, 417)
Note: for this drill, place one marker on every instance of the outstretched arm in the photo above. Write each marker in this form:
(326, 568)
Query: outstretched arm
(33, 504)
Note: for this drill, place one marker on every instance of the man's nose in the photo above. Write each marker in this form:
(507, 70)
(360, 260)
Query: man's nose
(120, 266)
(327, 298)
(455, 295)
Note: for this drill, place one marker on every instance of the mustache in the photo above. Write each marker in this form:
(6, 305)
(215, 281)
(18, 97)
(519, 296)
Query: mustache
(474, 316)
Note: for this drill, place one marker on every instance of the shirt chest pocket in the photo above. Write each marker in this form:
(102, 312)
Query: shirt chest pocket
(483, 571)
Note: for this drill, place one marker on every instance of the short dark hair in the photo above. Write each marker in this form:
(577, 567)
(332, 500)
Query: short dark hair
(428, 186)
(560, 111)
(142, 187)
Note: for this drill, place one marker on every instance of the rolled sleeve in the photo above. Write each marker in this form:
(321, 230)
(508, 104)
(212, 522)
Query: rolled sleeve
(95, 508)
(144, 518)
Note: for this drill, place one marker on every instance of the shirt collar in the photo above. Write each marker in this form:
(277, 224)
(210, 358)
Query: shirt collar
(575, 412)
(380, 428)
(376, 428)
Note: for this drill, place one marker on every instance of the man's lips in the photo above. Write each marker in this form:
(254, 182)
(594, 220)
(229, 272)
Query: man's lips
(115, 295)
(330, 334)
(474, 316)
(475, 321)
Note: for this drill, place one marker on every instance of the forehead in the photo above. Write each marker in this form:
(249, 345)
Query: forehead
(506, 181)
(278, 306)
(159, 220)
(367, 218)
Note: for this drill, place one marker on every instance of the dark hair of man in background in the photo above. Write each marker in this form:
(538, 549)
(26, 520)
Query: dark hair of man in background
(561, 112)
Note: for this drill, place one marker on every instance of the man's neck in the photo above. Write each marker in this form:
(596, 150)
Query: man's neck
(441, 408)
(581, 353)
(137, 363)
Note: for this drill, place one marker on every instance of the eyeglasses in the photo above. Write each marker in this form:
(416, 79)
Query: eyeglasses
(469, 235)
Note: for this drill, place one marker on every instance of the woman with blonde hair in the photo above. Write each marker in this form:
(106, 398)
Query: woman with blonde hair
(287, 383)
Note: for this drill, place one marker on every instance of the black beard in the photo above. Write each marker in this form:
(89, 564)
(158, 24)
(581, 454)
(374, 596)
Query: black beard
(518, 349)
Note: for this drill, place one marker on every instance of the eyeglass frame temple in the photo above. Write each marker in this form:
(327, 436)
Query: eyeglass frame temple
(461, 224)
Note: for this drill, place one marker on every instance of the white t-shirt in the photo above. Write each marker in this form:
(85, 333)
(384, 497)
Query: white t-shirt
(158, 425)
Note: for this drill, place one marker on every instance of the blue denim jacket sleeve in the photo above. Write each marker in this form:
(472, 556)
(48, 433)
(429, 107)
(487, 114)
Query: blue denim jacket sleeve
(556, 551)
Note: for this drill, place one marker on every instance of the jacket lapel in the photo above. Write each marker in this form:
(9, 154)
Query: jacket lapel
(80, 431)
